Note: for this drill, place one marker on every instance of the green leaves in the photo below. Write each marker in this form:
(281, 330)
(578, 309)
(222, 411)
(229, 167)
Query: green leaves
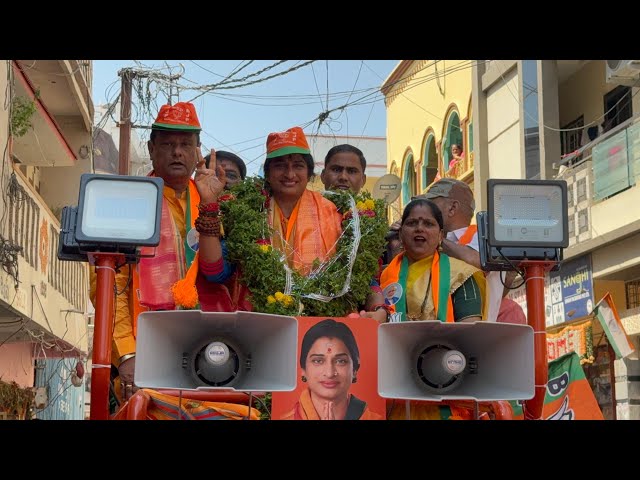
(22, 109)
(262, 268)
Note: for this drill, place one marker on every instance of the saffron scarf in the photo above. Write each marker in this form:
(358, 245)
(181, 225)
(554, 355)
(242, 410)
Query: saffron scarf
(440, 272)
(466, 238)
(311, 232)
(162, 266)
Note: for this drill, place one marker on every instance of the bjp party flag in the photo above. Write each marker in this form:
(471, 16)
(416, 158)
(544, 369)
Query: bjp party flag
(569, 395)
(607, 314)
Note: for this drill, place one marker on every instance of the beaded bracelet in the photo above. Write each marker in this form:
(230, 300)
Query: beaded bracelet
(208, 226)
(209, 207)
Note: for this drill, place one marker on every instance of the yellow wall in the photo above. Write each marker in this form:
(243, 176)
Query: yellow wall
(615, 288)
(416, 104)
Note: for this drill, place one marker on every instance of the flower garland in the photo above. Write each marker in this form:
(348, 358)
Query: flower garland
(247, 235)
(578, 338)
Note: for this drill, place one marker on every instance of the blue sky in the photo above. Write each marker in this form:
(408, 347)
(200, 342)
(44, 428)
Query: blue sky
(240, 119)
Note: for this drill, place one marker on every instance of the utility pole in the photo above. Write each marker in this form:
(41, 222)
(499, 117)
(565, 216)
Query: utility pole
(125, 124)
(125, 121)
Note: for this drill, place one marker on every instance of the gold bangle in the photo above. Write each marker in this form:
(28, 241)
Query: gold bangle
(126, 357)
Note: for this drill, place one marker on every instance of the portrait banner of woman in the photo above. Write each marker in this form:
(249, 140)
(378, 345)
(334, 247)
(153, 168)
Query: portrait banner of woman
(338, 372)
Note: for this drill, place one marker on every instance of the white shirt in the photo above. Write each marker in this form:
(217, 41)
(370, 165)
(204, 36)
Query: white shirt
(494, 283)
(456, 235)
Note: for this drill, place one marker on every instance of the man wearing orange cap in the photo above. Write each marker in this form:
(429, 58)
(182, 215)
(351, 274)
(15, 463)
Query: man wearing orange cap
(189, 218)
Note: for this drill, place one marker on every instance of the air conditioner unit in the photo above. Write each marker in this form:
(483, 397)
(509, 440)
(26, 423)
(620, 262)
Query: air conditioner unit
(623, 72)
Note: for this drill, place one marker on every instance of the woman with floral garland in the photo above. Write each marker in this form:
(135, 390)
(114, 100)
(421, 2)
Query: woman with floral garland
(306, 226)
(297, 252)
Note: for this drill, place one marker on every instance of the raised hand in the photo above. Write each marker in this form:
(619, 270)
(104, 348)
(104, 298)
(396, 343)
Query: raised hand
(210, 181)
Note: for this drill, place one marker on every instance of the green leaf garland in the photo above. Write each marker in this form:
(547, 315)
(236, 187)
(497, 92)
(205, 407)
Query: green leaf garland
(247, 235)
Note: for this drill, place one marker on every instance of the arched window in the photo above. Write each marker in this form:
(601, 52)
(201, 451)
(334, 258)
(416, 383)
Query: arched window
(430, 162)
(452, 136)
(409, 180)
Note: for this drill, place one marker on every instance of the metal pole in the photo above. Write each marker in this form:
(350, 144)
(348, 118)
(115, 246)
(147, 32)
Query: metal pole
(612, 380)
(102, 334)
(534, 278)
(125, 121)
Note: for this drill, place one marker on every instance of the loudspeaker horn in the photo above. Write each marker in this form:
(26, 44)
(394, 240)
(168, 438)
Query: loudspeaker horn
(434, 361)
(195, 350)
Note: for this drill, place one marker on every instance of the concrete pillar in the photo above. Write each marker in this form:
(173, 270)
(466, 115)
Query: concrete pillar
(480, 137)
(549, 115)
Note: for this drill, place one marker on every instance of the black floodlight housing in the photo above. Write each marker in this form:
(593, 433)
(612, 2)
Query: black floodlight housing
(526, 220)
(115, 214)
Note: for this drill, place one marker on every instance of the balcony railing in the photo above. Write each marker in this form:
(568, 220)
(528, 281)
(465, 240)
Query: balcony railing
(605, 167)
(614, 157)
(461, 170)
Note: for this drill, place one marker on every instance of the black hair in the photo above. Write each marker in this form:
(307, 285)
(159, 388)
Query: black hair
(389, 237)
(232, 157)
(346, 148)
(333, 329)
(392, 235)
(423, 202)
(154, 133)
(308, 158)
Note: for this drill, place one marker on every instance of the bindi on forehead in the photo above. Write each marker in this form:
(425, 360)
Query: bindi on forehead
(328, 346)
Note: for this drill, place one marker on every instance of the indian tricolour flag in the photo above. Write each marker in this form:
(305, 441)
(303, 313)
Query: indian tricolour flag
(569, 395)
(607, 314)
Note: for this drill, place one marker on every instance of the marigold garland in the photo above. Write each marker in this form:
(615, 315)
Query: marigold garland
(248, 242)
(185, 293)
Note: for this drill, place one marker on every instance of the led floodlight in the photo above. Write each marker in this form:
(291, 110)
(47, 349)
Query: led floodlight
(115, 214)
(526, 221)
(528, 213)
(119, 210)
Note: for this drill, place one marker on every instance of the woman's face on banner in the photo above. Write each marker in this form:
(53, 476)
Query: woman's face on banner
(329, 369)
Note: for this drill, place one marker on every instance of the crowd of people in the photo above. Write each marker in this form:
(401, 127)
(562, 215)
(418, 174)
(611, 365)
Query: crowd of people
(429, 270)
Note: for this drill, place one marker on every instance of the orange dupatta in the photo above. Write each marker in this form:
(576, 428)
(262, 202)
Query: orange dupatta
(165, 268)
(311, 233)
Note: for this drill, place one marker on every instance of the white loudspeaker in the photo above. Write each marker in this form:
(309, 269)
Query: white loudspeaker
(435, 361)
(195, 350)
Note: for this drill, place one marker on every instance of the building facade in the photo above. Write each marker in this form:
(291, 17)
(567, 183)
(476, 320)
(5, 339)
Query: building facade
(45, 130)
(428, 110)
(575, 120)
